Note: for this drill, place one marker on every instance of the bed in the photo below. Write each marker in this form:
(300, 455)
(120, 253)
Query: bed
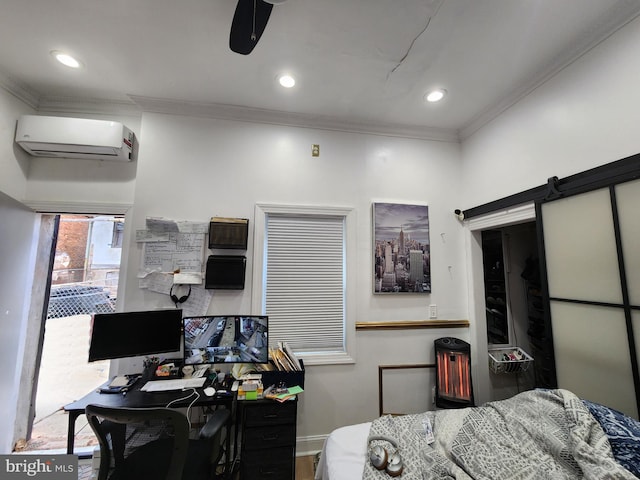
(538, 434)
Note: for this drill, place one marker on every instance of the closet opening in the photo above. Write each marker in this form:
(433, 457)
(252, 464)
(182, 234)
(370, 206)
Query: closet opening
(513, 305)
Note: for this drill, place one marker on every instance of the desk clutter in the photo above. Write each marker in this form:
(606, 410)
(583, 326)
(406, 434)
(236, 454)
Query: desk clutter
(281, 379)
(253, 389)
(250, 389)
(119, 384)
(284, 367)
(282, 358)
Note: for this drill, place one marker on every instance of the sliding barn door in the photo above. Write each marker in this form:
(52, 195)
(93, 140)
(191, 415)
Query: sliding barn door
(593, 277)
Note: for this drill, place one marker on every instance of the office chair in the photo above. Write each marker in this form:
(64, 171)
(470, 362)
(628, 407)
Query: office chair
(153, 443)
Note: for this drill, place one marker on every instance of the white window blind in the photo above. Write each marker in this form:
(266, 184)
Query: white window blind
(305, 281)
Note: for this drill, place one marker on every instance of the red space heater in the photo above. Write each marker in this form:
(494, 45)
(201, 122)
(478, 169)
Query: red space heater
(454, 388)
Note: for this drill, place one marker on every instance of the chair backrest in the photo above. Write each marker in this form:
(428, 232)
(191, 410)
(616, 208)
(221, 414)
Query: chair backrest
(138, 443)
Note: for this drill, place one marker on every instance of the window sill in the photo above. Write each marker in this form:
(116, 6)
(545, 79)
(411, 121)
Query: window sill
(327, 358)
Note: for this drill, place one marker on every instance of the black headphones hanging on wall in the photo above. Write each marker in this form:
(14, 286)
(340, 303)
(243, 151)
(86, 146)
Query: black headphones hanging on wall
(381, 459)
(177, 300)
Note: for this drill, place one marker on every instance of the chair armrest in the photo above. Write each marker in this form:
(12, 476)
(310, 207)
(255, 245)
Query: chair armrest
(216, 421)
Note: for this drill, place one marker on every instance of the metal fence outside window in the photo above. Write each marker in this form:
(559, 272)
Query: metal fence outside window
(79, 298)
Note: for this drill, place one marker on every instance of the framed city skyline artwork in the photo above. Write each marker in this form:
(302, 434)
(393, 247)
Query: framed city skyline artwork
(402, 250)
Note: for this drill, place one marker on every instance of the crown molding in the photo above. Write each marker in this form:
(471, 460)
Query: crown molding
(257, 115)
(139, 104)
(57, 104)
(626, 12)
(88, 105)
(19, 90)
(43, 206)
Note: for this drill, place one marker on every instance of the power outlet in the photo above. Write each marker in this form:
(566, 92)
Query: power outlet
(433, 311)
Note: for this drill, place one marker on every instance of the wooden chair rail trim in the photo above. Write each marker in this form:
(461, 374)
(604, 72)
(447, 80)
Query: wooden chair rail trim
(411, 324)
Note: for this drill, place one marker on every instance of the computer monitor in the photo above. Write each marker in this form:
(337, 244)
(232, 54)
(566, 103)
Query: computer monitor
(132, 334)
(226, 339)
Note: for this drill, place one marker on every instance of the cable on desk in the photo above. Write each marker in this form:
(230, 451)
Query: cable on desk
(193, 392)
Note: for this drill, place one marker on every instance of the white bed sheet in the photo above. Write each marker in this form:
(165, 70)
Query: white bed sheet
(344, 453)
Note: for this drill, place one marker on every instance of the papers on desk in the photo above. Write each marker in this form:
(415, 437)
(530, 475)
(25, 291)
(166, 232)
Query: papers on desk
(284, 359)
(284, 394)
(119, 384)
(119, 381)
(173, 384)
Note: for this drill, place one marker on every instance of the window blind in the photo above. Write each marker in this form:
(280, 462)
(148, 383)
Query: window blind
(305, 281)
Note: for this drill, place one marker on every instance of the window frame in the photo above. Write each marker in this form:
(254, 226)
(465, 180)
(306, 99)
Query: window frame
(262, 211)
(117, 235)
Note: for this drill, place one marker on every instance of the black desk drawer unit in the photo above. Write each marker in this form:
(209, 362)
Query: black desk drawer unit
(268, 441)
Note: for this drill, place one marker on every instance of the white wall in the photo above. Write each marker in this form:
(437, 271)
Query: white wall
(14, 162)
(196, 168)
(17, 254)
(25, 180)
(103, 254)
(586, 116)
(17, 227)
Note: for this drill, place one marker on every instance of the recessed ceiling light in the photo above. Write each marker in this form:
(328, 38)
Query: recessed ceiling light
(66, 59)
(287, 81)
(435, 95)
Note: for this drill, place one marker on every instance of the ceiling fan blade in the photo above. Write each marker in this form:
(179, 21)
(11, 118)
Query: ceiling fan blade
(249, 22)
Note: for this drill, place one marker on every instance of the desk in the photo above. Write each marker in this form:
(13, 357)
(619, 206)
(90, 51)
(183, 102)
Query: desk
(134, 398)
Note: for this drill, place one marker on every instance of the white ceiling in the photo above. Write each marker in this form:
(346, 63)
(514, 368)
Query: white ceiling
(361, 65)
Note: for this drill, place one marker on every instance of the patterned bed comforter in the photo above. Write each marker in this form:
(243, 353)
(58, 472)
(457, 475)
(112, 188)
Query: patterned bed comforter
(537, 435)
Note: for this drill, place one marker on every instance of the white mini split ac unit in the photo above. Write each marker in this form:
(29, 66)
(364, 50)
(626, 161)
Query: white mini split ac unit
(65, 137)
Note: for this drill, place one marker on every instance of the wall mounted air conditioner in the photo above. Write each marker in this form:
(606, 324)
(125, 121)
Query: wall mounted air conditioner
(65, 137)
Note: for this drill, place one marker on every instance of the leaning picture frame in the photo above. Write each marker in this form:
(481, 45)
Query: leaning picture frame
(402, 250)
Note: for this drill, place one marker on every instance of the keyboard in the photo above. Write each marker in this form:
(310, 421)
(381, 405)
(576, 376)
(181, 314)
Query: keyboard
(174, 384)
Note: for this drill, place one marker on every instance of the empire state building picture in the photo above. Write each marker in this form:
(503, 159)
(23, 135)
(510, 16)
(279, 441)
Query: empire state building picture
(401, 248)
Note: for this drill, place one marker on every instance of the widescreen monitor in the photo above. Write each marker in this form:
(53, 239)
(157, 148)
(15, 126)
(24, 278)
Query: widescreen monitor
(132, 334)
(226, 339)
